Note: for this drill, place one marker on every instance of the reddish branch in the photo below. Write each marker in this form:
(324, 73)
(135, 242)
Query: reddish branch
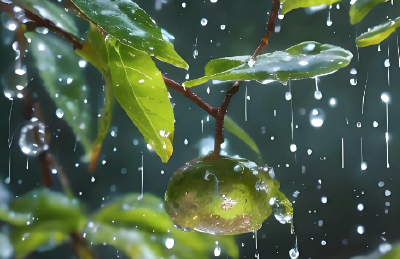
(40, 22)
(191, 96)
(270, 28)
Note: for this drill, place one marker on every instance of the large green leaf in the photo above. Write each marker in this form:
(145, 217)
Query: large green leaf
(378, 33)
(288, 5)
(131, 25)
(140, 90)
(307, 59)
(52, 211)
(236, 130)
(360, 8)
(56, 60)
(51, 12)
(142, 223)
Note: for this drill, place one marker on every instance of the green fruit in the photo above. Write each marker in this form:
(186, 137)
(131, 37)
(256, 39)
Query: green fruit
(225, 196)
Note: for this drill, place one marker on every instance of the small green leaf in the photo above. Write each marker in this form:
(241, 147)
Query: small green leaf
(95, 51)
(288, 5)
(378, 33)
(141, 222)
(51, 12)
(64, 80)
(236, 130)
(305, 60)
(360, 8)
(141, 91)
(55, 211)
(131, 25)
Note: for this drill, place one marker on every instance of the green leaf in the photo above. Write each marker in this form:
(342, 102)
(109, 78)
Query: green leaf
(140, 90)
(236, 130)
(305, 60)
(25, 242)
(131, 25)
(142, 223)
(288, 5)
(55, 60)
(360, 8)
(95, 51)
(378, 33)
(393, 253)
(55, 211)
(51, 12)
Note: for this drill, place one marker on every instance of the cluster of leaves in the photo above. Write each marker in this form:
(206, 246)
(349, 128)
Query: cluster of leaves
(121, 43)
(136, 225)
(358, 11)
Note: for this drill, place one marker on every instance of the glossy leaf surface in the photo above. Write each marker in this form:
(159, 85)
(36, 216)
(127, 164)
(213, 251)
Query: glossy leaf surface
(140, 90)
(131, 25)
(225, 196)
(360, 8)
(64, 80)
(236, 130)
(378, 33)
(52, 12)
(288, 5)
(305, 60)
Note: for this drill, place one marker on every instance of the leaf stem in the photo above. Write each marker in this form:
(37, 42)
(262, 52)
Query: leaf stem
(191, 96)
(40, 21)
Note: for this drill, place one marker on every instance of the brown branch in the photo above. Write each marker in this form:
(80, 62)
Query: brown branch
(219, 120)
(270, 28)
(191, 96)
(41, 22)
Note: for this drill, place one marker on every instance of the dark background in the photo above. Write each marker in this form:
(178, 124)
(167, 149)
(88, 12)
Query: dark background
(245, 24)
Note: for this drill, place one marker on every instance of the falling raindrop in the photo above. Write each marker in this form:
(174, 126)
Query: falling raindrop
(360, 207)
(203, 22)
(353, 81)
(288, 96)
(293, 147)
(309, 151)
(59, 113)
(318, 95)
(381, 184)
(329, 21)
(223, 27)
(360, 230)
(332, 102)
(364, 166)
(358, 124)
(317, 117)
(375, 124)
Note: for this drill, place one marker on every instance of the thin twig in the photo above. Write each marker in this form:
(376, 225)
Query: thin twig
(270, 28)
(9, 8)
(219, 120)
(191, 96)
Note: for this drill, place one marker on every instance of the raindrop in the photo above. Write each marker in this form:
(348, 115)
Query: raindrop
(272, 138)
(77, 164)
(169, 243)
(387, 63)
(185, 142)
(213, 1)
(375, 124)
(223, 27)
(135, 142)
(32, 138)
(203, 22)
(296, 194)
(329, 21)
(358, 124)
(318, 95)
(54, 171)
(294, 253)
(184, 229)
(360, 230)
(323, 242)
(59, 113)
(353, 81)
(324, 199)
(364, 165)
(123, 171)
(92, 179)
(353, 71)
(332, 102)
(360, 207)
(217, 251)
(303, 169)
(288, 96)
(183, 5)
(317, 117)
(385, 97)
(381, 184)
(309, 151)
(388, 193)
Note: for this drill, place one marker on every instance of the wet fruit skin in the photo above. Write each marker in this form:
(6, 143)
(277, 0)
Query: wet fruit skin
(221, 195)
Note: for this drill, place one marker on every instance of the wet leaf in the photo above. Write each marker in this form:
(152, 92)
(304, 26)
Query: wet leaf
(55, 211)
(378, 33)
(25, 242)
(236, 130)
(392, 252)
(305, 60)
(140, 225)
(131, 25)
(288, 5)
(55, 61)
(140, 90)
(95, 51)
(360, 8)
(51, 12)
(225, 196)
